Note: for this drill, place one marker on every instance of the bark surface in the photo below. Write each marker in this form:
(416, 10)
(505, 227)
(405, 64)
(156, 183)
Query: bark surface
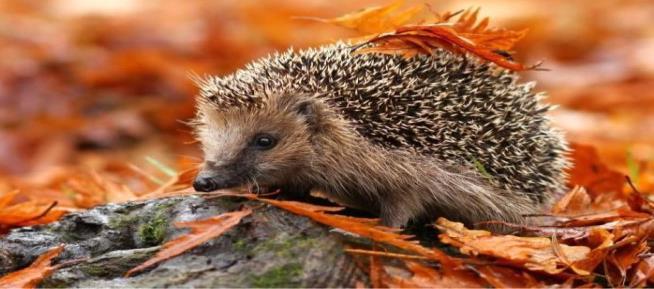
(270, 248)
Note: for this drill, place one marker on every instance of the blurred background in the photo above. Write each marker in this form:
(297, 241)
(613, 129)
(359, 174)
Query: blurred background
(94, 94)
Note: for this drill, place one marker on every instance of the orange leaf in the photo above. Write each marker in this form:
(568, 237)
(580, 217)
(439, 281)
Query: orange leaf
(201, 231)
(602, 217)
(374, 19)
(575, 201)
(384, 254)
(622, 259)
(31, 276)
(491, 47)
(426, 277)
(588, 171)
(7, 198)
(601, 241)
(27, 212)
(361, 227)
(643, 272)
(375, 272)
(503, 277)
(533, 253)
(464, 35)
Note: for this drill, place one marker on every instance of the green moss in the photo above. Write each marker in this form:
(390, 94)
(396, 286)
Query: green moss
(283, 276)
(122, 221)
(51, 283)
(286, 246)
(153, 231)
(240, 245)
(94, 270)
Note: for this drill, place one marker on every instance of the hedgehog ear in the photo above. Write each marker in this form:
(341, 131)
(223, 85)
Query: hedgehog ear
(308, 109)
(304, 108)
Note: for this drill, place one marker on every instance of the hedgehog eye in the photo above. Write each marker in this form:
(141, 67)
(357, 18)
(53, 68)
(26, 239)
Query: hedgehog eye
(264, 141)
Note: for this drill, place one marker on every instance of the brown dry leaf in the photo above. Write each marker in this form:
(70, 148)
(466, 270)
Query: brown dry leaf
(601, 241)
(464, 35)
(631, 246)
(533, 253)
(362, 227)
(602, 217)
(114, 192)
(621, 260)
(201, 231)
(479, 32)
(644, 271)
(375, 19)
(375, 272)
(575, 201)
(176, 185)
(31, 276)
(92, 189)
(504, 277)
(384, 254)
(426, 277)
(589, 172)
(26, 213)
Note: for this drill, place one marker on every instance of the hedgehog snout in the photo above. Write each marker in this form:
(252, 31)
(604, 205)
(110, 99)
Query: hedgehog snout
(212, 183)
(213, 177)
(204, 184)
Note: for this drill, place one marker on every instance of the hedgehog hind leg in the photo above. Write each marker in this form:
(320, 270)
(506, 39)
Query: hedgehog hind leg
(464, 195)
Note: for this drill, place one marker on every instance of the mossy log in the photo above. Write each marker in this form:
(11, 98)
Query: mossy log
(270, 248)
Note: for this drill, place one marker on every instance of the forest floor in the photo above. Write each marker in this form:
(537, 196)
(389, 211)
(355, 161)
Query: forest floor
(93, 99)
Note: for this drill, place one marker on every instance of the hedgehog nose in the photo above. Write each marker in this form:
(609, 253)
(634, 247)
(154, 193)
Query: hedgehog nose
(204, 184)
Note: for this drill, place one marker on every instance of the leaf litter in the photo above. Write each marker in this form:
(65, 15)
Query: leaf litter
(596, 235)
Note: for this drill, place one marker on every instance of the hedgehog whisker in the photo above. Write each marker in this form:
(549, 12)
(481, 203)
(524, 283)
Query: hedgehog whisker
(253, 183)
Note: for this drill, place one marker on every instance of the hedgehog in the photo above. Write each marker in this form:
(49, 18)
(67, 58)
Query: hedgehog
(407, 139)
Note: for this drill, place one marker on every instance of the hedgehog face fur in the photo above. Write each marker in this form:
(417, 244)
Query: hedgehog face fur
(405, 138)
(257, 146)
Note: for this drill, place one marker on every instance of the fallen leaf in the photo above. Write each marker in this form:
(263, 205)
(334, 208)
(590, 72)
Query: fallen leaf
(374, 19)
(27, 212)
(426, 277)
(600, 240)
(622, 259)
(601, 217)
(504, 277)
(359, 226)
(384, 254)
(575, 201)
(201, 231)
(644, 271)
(375, 272)
(464, 35)
(31, 276)
(367, 228)
(589, 172)
(533, 253)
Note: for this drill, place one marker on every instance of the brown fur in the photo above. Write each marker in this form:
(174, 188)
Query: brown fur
(320, 150)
